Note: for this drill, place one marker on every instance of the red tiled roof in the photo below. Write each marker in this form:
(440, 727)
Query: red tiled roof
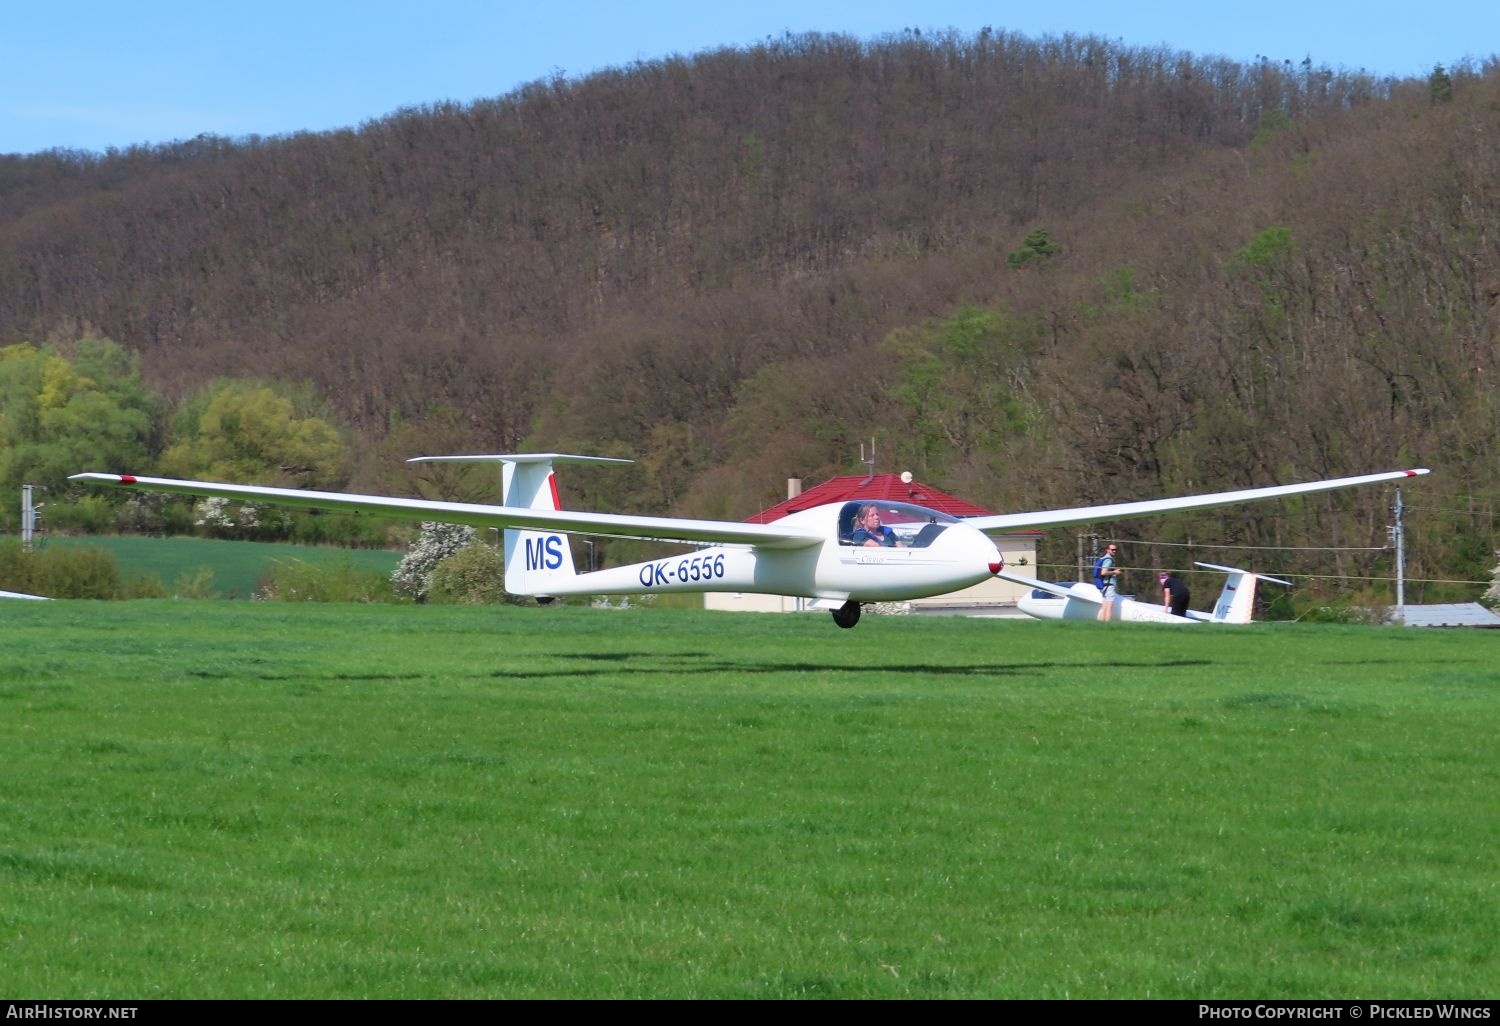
(880, 487)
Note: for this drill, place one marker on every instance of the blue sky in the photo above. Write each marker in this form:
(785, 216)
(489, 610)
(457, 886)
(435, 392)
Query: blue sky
(94, 74)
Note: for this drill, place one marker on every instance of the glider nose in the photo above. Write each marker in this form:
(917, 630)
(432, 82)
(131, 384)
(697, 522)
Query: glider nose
(994, 560)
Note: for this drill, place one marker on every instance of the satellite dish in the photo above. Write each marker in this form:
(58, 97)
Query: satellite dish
(906, 477)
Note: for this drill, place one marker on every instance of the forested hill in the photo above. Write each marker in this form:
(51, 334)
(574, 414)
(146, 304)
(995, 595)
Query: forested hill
(1034, 271)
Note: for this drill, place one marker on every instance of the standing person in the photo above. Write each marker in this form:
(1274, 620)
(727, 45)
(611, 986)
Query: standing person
(1107, 580)
(869, 532)
(1174, 594)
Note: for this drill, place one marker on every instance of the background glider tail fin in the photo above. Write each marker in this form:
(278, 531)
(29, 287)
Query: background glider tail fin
(1237, 601)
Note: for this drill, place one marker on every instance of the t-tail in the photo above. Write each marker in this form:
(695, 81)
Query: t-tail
(1237, 600)
(537, 563)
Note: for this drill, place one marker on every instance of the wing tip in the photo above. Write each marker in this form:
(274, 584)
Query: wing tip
(110, 478)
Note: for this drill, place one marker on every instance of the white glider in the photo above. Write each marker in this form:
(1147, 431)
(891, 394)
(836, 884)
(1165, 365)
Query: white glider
(1079, 600)
(812, 553)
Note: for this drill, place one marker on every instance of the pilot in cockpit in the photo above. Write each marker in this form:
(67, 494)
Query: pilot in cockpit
(869, 532)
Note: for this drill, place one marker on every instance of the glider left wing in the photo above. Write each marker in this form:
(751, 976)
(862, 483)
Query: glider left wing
(614, 525)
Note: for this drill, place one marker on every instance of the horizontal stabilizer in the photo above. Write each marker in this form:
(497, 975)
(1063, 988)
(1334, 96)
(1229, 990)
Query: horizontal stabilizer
(1247, 573)
(525, 457)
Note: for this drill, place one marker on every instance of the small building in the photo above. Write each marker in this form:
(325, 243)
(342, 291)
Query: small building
(988, 598)
(1447, 614)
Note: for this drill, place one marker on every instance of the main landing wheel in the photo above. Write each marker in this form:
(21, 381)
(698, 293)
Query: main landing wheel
(847, 615)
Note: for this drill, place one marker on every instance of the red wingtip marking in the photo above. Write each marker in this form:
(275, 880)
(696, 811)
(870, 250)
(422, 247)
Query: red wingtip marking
(995, 568)
(1411, 473)
(127, 479)
(556, 502)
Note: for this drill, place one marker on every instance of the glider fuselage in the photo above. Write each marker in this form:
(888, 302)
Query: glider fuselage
(937, 554)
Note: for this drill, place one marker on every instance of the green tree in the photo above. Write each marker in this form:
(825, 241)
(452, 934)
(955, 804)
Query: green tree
(1036, 250)
(1440, 86)
(1267, 252)
(61, 416)
(251, 433)
(1264, 260)
(474, 575)
(1273, 122)
(962, 383)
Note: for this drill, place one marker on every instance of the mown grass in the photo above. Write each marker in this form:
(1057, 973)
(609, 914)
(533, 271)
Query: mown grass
(244, 801)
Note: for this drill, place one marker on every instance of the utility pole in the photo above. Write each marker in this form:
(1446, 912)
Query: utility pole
(1400, 537)
(28, 516)
(1088, 551)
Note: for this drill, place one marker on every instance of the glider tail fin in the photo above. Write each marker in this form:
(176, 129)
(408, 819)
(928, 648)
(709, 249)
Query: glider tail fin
(1237, 599)
(534, 559)
(537, 563)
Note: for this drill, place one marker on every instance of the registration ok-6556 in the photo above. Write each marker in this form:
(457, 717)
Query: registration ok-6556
(683, 570)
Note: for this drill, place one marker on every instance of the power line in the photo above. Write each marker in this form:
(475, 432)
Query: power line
(1389, 580)
(1491, 514)
(1253, 548)
(1310, 577)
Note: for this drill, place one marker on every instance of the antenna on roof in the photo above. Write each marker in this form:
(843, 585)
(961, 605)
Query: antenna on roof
(869, 463)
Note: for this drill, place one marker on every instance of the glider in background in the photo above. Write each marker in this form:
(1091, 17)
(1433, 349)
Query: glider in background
(819, 553)
(1078, 600)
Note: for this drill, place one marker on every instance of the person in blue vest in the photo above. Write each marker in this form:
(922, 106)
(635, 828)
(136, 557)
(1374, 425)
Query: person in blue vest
(869, 532)
(1107, 580)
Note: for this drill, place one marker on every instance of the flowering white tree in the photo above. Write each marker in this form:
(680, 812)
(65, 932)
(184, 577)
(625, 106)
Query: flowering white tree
(413, 575)
(225, 518)
(1491, 597)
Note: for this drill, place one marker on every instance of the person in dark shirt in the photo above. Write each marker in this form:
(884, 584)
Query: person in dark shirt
(1175, 595)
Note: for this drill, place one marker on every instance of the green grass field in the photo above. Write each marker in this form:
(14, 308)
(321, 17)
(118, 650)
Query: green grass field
(235, 800)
